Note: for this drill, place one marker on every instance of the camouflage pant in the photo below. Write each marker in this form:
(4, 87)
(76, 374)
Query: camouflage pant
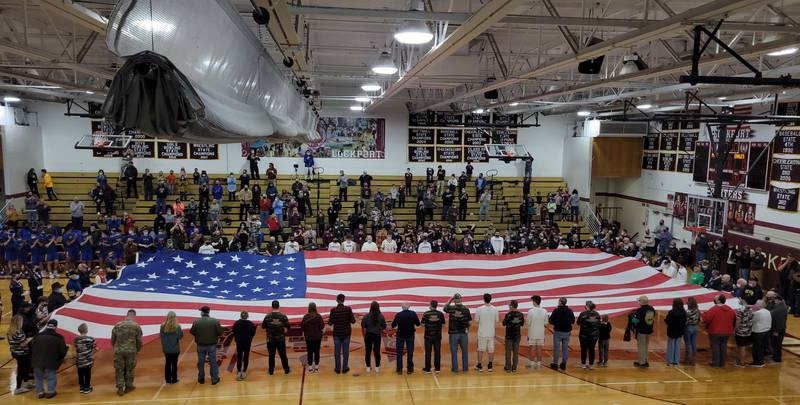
(124, 364)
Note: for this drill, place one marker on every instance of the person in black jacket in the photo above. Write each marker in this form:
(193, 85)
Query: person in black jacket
(589, 322)
(48, 351)
(131, 176)
(342, 319)
(56, 299)
(406, 322)
(562, 319)
(243, 332)
(676, 326)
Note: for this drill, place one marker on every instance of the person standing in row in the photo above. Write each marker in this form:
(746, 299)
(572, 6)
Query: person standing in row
(277, 325)
(513, 321)
(433, 320)
(342, 319)
(690, 334)
(171, 334)
(777, 307)
(458, 325)
(487, 317)
(126, 339)
(312, 326)
(537, 319)
(19, 345)
(604, 340)
(643, 320)
(562, 319)
(48, 352)
(719, 322)
(406, 322)
(206, 332)
(588, 333)
(85, 347)
(762, 324)
(372, 325)
(676, 328)
(243, 332)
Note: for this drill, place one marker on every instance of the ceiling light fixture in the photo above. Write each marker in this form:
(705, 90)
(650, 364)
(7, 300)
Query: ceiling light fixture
(414, 33)
(723, 98)
(363, 99)
(478, 111)
(11, 99)
(632, 64)
(356, 108)
(514, 104)
(384, 65)
(89, 92)
(584, 113)
(783, 52)
(644, 106)
(371, 87)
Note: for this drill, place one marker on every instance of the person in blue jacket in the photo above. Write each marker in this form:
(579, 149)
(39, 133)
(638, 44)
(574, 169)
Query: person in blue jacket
(217, 191)
(10, 250)
(87, 249)
(308, 161)
(38, 249)
(74, 288)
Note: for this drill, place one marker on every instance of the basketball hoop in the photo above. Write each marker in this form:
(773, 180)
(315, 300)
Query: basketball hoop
(104, 142)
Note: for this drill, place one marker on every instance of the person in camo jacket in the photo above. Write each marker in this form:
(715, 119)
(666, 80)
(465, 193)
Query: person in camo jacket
(276, 325)
(126, 339)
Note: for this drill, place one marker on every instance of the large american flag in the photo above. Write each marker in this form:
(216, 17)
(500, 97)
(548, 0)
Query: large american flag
(232, 282)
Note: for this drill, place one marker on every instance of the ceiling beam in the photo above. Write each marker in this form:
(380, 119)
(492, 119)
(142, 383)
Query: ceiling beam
(480, 21)
(654, 30)
(50, 82)
(750, 52)
(40, 55)
(77, 14)
(281, 27)
(458, 18)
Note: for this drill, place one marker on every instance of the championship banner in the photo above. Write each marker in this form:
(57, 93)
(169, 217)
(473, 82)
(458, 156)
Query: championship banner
(204, 151)
(421, 154)
(172, 150)
(787, 142)
(782, 199)
(786, 170)
(741, 217)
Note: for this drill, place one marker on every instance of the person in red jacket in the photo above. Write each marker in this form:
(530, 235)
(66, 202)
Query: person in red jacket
(719, 321)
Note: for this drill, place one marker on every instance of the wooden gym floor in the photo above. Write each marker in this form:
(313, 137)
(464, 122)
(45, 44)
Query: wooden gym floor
(620, 383)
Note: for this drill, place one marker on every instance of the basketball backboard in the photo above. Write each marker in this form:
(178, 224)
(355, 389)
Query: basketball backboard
(507, 151)
(103, 142)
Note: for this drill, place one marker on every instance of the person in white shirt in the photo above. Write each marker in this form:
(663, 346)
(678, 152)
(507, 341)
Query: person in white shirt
(562, 244)
(668, 268)
(487, 317)
(537, 319)
(681, 274)
(334, 246)
(762, 324)
(348, 246)
(498, 243)
(424, 246)
(369, 245)
(291, 246)
(206, 249)
(389, 245)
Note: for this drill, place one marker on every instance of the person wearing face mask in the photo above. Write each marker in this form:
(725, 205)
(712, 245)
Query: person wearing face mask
(56, 298)
(779, 312)
(752, 292)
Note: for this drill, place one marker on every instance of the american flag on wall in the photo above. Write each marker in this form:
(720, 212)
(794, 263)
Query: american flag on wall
(232, 282)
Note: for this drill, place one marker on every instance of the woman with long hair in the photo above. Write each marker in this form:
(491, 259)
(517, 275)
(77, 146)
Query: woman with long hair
(589, 323)
(676, 329)
(171, 335)
(690, 334)
(243, 332)
(372, 325)
(19, 345)
(312, 326)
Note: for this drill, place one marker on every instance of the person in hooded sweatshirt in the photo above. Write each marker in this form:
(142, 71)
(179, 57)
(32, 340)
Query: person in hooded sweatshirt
(719, 321)
(243, 332)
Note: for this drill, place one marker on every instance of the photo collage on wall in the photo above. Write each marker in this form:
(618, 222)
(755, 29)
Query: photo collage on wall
(670, 148)
(147, 147)
(445, 137)
(705, 212)
(743, 168)
(784, 179)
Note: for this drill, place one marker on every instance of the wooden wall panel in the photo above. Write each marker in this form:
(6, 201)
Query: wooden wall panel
(616, 157)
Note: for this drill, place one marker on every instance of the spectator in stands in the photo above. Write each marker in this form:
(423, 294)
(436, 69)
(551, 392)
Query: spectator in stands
(485, 200)
(253, 159)
(161, 198)
(76, 208)
(33, 182)
(719, 322)
(574, 204)
(498, 243)
(244, 179)
(480, 186)
(47, 180)
(428, 176)
(440, 178)
(343, 183)
(308, 163)
(407, 179)
(147, 185)
(389, 245)
(245, 197)
(231, 187)
(171, 181)
(131, 175)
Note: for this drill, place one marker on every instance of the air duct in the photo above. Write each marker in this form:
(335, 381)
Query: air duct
(183, 80)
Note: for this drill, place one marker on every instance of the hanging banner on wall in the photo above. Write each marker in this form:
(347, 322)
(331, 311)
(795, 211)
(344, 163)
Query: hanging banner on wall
(669, 141)
(475, 137)
(204, 151)
(741, 217)
(786, 170)
(475, 154)
(651, 141)
(787, 141)
(172, 150)
(420, 154)
(449, 154)
(650, 161)
(687, 141)
(422, 119)
(420, 136)
(348, 137)
(448, 136)
(686, 164)
(448, 118)
(782, 199)
(667, 162)
(143, 149)
(477, 119)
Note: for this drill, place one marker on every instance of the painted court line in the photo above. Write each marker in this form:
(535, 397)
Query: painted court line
(155, 396)
(686, 374)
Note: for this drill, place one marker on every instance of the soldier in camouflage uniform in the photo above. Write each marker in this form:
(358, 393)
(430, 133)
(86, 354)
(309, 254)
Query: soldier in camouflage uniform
(126, 339)
(433, 320)
(276, 325)
(458, 328)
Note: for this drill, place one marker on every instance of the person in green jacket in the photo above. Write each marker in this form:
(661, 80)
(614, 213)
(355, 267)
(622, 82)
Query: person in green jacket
(697, 277)
(126, 339)
(171, 335)
(206, 332)
(277, 325)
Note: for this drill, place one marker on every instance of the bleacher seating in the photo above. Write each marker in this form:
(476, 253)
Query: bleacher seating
(503, 213)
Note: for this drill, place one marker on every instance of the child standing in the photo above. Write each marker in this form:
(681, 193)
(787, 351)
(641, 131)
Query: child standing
(84, 358)
(605, 338)
(231, 187)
